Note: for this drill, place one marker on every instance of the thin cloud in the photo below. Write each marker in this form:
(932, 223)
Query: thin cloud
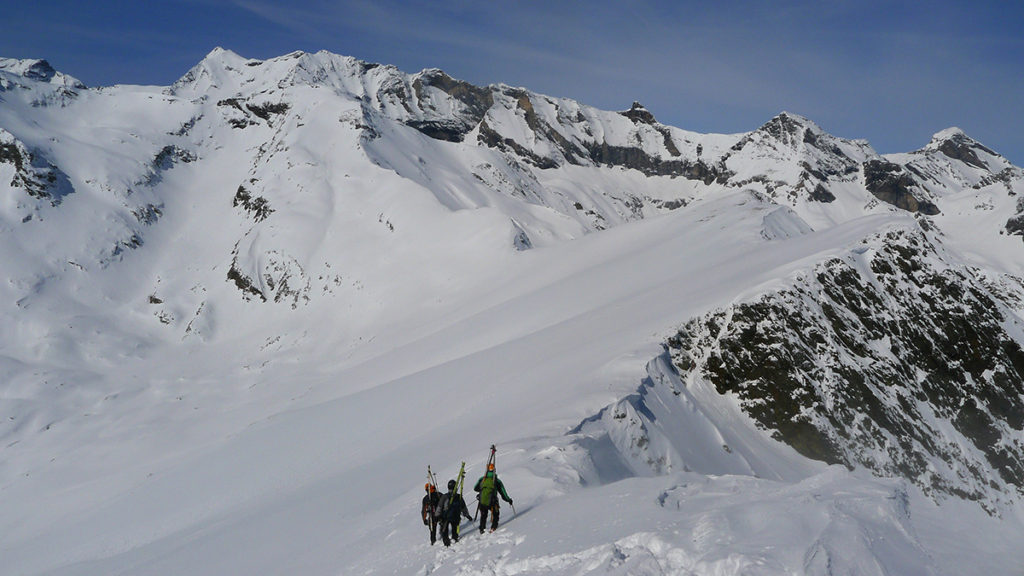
(888, 71)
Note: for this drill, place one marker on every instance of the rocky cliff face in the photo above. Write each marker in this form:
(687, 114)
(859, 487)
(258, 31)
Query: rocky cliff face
(32, 174)
(890, 358)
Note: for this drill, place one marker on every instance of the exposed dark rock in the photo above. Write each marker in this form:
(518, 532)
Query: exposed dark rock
(786, 129)
(890, 183)
(168, 155)
(639, 115)
(148, 214)
(821, 194)
(40, 70)
(237, 120)
(233, 103)
(490, 137)
(34, 174)
(638, 159)
(670, 144)
(876, 368)
(257, 206)
(475, 101)
(244, 283)
(265, 111)
(960, 147)
(10, 154)
(1015, 225)
(1005, 176)
(448, 130)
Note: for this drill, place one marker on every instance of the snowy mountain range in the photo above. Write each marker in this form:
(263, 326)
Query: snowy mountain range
(243, 313)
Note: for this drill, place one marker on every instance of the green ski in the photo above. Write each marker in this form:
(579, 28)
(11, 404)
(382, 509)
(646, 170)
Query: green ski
(459, 481)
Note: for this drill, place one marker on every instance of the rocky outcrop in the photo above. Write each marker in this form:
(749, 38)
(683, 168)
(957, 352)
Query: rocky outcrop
(888, 359)
(891, 183)
(474, 103)
(958, 146)
(32, 173)
(1015, 225)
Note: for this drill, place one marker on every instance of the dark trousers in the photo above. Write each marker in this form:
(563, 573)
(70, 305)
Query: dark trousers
(494, 516)
(433, 529)
(451, 526)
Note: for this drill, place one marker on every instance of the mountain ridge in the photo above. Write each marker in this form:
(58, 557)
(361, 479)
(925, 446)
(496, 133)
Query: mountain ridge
(269, 249)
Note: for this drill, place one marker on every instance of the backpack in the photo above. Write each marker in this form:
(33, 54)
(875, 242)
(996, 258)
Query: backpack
(430, 504)
(487, 490)
(441, 507)
(453, 508)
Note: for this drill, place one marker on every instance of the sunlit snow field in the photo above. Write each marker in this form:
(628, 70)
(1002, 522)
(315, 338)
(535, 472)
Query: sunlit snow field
(154, 422)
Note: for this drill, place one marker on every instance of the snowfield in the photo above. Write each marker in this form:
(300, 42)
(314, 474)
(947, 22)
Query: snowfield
(159, 418)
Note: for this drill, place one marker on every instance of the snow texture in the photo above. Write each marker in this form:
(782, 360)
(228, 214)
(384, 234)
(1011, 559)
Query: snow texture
(241, 315)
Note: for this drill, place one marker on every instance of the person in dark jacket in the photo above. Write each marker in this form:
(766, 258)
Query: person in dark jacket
(431, 503)
(453, 509)
(490, 488)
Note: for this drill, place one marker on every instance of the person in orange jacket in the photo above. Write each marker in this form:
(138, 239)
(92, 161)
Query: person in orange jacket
(430, 509)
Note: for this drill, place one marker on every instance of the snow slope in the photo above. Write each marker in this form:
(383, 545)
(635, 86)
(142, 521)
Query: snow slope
(160, 418)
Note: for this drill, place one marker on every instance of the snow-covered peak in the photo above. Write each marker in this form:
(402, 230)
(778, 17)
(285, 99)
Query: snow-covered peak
(792, 151)
(952, 162)
(225, 74)
(219, 70)
(37, 82)
(957, 145)
(29, 68)
(790, 130)
(219, 53)
(948, 133)
(37, 70)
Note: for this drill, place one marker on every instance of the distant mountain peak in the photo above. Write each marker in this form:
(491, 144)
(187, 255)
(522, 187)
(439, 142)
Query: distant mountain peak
(35, 69)
(788, 127)
(38, 70)
(956, 144)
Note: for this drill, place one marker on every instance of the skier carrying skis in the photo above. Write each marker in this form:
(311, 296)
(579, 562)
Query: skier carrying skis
(489, 488)
(431, 503)
(453, 509)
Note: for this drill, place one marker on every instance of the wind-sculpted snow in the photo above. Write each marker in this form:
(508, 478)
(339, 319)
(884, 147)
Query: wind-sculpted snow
(241, 314)
(832, 523)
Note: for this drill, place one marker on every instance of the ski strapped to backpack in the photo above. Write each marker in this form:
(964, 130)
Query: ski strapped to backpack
(431, 477)
(432, 481)
(490, 484)
(484, 498)
(459, 481)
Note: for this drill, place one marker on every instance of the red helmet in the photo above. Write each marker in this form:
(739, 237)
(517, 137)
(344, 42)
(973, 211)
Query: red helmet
(490, 467)
(429, 487)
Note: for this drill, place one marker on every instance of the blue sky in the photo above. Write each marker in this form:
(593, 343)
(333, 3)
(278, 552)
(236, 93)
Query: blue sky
(893, 73)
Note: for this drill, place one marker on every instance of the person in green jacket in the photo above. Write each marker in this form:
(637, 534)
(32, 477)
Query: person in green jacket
(489, 487)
